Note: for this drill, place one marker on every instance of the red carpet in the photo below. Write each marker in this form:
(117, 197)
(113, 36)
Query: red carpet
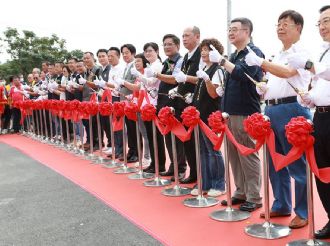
(165, 218)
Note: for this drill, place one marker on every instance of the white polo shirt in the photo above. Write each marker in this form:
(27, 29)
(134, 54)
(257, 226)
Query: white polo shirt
(279, 87)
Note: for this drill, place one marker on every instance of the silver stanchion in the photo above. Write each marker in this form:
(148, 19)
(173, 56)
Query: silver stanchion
(75, 149)
(229, 213)
(45, 123)
(157, 181)
(34, 135)
(176, 190)
(56, 122)
(100, 159)
(200, 201)
(267, 230)
(310, 203)
(68, 139)
(42, 127)
(139, 174)
(125, 168)
(62, 144)
(82, 148)
(113, 162)
(51, 127)
(38, 128)
(91, 155)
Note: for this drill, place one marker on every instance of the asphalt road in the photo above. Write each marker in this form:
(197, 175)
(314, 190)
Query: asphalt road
(40, 207)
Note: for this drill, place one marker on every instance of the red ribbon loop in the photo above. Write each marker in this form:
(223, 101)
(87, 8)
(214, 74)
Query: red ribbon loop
(148, 112)
(131, 110)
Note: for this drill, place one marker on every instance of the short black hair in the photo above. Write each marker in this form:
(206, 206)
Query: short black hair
(294, 15)
(144, 60)
(130, 47)
(175, 39)
(324, 8)
(73, 58)
(115, 49)
(245, 22)
(101, 51)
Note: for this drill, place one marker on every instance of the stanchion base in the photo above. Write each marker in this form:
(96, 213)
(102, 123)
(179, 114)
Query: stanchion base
(157, 182)
(125, 169)
(90, 157)
(268, 230)
(113, 164)
(308, 242)
(229, 214)
(176, 191)
(200, 202)
(141, 175)
(101, 160)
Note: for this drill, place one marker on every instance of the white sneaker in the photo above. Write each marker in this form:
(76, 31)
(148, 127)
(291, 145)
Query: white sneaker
(146, 162)
(194, 192)
(215, 193)
(107, 151)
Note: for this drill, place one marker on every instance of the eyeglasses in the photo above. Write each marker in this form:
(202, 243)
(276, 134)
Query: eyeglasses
(284, 25)
(168, 44)
(235, 30)
(324, 22)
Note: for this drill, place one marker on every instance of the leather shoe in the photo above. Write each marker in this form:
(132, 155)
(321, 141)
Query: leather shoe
(273, 214)
(298, 222)
(181, 176)
(167, 173)
(324, 233)
(188, 180)
(149, 169)
(234, 201)
(132, 159)
(249, 206)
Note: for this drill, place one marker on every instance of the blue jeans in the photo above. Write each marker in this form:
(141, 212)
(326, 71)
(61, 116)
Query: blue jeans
(213, 171)
(279, 116)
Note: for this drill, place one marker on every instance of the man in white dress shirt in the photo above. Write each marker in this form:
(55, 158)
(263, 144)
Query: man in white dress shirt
(319, 97)
(281, 106)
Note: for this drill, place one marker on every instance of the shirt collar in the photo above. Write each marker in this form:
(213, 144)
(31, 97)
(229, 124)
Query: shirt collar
(174, 58)
(190, 54)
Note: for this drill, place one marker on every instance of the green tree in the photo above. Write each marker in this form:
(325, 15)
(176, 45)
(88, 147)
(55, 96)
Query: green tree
(27, 51)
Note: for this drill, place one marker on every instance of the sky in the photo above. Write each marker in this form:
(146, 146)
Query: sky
(90, 25)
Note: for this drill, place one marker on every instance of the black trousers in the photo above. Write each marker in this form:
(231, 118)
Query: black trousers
(16, 119)
(322, 155)
(6, 117)
(161, 146)
(180, 153)
(105, 125)
(131, 137)
(94, 131)
(189, 149)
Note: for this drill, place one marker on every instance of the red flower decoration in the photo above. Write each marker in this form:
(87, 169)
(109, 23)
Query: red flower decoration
(166, 117)
(131, 110)
(257, 126)
(148, 112)
(93, 108)
(105, 108)
(74, 105)
(190, 116)
(61, 105)
(216, 122)
(119, 109)
(298, 132)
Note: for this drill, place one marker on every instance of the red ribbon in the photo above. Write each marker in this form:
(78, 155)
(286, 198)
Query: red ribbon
(148, 112)
(131, 110)
(106, 95)
(118, 113)
(106, 108)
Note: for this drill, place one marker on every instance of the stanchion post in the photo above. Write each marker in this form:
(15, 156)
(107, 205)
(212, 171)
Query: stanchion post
(157, 181)
(229, 213)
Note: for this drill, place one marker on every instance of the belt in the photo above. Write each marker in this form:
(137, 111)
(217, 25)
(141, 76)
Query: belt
(281, 100)
(323, 109)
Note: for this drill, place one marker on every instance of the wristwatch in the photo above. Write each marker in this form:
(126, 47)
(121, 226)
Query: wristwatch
(222, 62)
(309, 64)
